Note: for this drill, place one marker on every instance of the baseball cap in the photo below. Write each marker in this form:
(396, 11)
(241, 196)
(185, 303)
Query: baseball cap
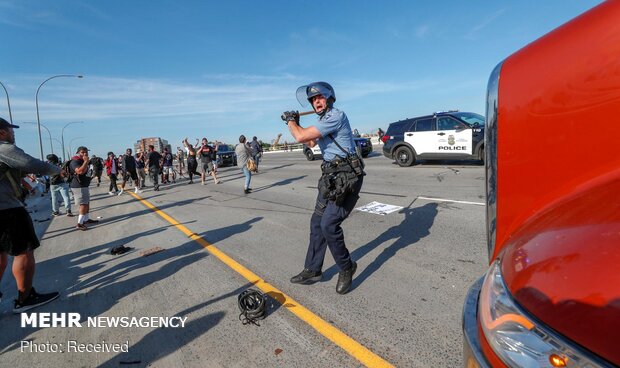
(5, 124)
(81, 148)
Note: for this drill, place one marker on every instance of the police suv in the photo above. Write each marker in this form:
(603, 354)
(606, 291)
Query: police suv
(443, 135)
(364, 147)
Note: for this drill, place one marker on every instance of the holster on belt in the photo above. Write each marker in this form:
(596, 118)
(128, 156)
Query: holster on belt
(339, 178)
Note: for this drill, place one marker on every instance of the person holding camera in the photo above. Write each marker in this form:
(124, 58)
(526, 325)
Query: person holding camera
(339, 185)
(17, 235)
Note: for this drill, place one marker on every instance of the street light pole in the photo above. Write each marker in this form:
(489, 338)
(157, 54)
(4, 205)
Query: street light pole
(71, 141)
(8, 102)
(48, 132)
(37, 104)
(62, 136)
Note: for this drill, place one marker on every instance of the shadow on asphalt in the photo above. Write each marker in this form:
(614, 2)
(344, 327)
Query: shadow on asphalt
(279, 183)
(415, 226)
(108, 285)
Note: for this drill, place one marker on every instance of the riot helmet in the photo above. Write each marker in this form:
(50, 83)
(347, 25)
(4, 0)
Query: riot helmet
(307, 92)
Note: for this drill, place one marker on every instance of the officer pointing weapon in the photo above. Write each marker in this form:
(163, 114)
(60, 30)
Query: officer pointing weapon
(339, 185)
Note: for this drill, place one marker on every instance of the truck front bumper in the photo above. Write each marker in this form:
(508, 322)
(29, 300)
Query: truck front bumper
(472, 351)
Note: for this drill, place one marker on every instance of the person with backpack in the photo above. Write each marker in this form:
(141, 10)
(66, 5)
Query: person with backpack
(79, 186)
(97, 163)
(59, 184)
(17, 235)
(257, 151)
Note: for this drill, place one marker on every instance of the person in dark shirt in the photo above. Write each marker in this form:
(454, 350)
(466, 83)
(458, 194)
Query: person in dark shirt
(97, 163)
(129, 171)
(153, 162)
(140, 165)
(18, 238)
(206, 153)
(58, 184)
(79, 166)
(168, 168)
(257, 151)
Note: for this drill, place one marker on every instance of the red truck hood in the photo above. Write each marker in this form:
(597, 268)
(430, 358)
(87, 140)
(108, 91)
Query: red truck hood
(563, 266)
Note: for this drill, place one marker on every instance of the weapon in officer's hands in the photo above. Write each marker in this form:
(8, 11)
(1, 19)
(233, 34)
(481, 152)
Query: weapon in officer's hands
(294, 115)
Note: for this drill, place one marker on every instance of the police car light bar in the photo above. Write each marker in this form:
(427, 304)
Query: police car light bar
(442, 112)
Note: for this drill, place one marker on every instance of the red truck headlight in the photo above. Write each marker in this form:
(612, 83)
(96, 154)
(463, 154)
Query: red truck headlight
(516, 338)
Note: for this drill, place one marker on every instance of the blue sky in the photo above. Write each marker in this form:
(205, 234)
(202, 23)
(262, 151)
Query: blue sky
(220, 69)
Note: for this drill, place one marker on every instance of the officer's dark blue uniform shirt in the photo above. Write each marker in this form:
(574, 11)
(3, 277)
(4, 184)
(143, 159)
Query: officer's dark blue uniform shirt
(336, 123)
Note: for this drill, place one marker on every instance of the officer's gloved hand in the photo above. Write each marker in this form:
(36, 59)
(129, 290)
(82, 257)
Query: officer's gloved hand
(290, 116)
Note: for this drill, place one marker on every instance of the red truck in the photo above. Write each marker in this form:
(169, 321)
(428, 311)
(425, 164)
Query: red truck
(551, 296)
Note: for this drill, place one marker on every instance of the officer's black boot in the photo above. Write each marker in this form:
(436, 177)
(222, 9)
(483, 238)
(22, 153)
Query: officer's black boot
(307, 277)
(344, 279)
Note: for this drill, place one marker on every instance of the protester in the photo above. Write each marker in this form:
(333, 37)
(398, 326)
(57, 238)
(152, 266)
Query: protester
(243, 155)
(168, 171)
(257, 151)
(79, 186)
(140, 165)
(206, 154)
(58, 184)
(180, 161)
(129, 171)
(97, 163)
(17, 235)
(153, 162)
(111, 164)
(192, 163)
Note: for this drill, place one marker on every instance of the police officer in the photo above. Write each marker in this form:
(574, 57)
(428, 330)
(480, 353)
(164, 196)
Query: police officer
(339, 185)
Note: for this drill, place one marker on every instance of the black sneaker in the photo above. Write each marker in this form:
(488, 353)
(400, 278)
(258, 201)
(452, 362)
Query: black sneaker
(345, 278)
(69, 214)
(56, 213)
(33, 300)
(307, 277)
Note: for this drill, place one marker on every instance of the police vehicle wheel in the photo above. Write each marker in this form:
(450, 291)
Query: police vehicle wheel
(309, 155)
(404, 156)
(482, 156)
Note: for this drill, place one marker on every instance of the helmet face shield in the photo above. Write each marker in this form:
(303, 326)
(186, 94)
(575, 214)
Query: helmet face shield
(305, 93)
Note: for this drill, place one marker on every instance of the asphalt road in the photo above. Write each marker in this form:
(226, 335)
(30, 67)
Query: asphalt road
(414, 269)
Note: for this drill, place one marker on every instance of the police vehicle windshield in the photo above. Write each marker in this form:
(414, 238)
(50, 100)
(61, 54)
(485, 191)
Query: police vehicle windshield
(470, 118)
(223, 148)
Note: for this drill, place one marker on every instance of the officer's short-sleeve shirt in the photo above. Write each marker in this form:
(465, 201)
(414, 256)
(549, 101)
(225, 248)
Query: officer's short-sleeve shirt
(336, 123)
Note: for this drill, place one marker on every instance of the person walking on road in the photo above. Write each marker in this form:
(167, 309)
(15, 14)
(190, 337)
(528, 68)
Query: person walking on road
(168, 167)
(192, 163)
(206, 154)
(129, 171)
(339, 185)
(153, 162)
(111, 168)
(97, 163)
(80, 182)
(257, 151)
(243, 155)
(58, 184)
(140, 165)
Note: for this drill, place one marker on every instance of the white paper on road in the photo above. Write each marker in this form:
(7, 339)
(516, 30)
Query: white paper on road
(379, 208)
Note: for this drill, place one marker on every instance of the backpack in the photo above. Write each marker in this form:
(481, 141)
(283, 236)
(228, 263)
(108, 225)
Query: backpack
(65, 168)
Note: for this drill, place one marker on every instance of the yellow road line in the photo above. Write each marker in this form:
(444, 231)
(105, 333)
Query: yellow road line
(354, 348)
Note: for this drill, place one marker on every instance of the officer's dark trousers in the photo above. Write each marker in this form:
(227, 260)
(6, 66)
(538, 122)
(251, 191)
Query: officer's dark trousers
(325, 231)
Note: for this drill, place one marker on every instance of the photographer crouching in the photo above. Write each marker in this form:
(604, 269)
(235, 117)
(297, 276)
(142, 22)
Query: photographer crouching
(339, 185)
